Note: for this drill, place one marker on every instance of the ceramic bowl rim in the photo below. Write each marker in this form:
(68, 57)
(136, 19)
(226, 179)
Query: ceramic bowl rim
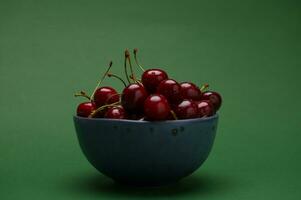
(215, 116)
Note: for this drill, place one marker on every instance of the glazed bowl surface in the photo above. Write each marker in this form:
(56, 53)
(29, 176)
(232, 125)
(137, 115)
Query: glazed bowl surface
(146, 153)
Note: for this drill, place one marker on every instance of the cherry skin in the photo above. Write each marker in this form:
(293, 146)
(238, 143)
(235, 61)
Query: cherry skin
(85, 109)
(171, 90)
(214, 97)
(105, 95)
(205, 108)
(100, 114)
(133, 97)
(151, 78)
(156, 108)
(116, 112)
(190, 91)
(187, 109)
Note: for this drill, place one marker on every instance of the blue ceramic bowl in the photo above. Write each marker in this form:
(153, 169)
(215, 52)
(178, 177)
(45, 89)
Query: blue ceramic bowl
(146, 153)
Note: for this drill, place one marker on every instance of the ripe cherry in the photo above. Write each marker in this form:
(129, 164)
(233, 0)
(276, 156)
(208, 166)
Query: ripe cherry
(171, 90)
(214, 97)
(105, 95)
(116, 112)
(187, 109)
(85, 109)
(190, 91)
(205, 108)
(151, 79)
(156, 107)
(133, 97)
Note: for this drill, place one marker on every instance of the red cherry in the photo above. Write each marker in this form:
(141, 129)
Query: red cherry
(205, 108)
(105, 95)
(171, 90)
(156, 107)
(190, 91)
(187, 109)
(100, 114)
(214, 97)
(116, 112)
(133, 97)
(151, 78)
(85, 109)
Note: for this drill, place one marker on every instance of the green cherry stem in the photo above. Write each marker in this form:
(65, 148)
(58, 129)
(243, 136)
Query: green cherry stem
(204, 87)
(101, 80)
(82, 94)
(130, 63)
(93, 114)
(174, 114)
(137, 80)
(117, 77)
(136, 60)
(125, 66)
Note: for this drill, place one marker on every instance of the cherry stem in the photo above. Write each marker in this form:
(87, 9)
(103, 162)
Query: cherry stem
(174, 114)
(101, 80)
(116, 76)
(204, 87)
(128, 57)
(137, 80)
(101, 108)
(125, 66)
(82, 94)
(136, 60)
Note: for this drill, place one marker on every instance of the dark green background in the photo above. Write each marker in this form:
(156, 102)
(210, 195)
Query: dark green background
(250, 51)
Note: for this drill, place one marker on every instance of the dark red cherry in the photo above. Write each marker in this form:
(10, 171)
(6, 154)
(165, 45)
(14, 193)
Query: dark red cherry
(190, 91)
(187, 109)
(171, 90)
(205, 108)
(100, 114)
(105, 95)
(214, 97)
(133, 97)
(116, 112)
(85, 109)
(156, 107)
(151, 78)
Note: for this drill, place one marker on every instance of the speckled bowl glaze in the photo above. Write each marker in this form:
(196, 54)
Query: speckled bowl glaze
(146, 153)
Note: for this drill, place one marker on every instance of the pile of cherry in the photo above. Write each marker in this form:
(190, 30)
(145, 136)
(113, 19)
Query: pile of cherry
(154, 97)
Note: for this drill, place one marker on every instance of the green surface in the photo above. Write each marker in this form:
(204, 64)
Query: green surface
(250, 51)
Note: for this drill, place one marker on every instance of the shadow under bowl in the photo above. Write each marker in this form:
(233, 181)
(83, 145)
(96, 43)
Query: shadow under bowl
(146, 153)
